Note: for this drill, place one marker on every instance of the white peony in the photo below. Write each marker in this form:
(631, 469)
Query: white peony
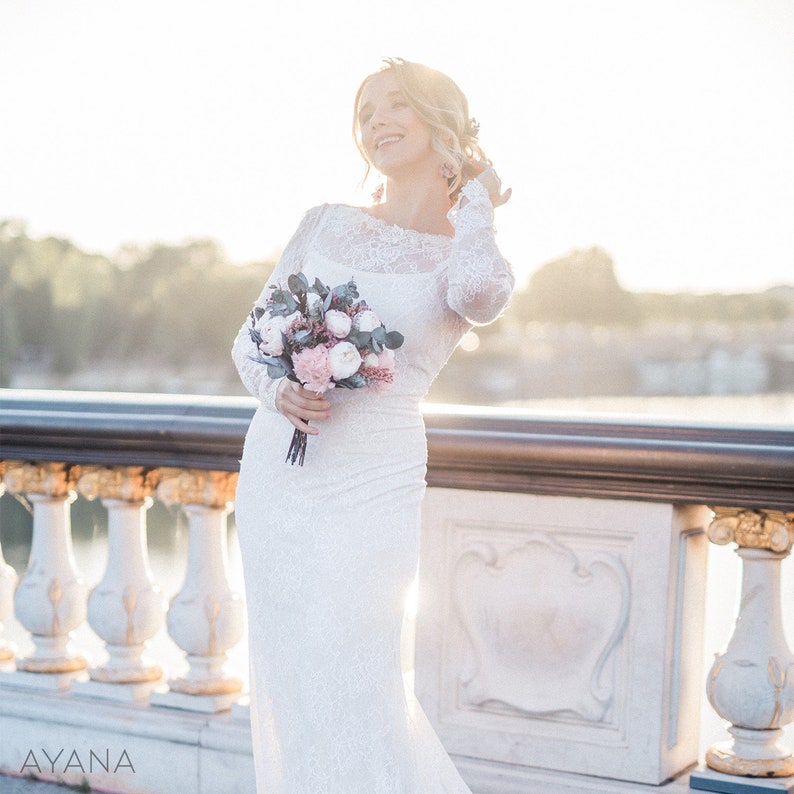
(338, 323)
(366, 320)
(370, 360)
(270, 329)
(344, 360)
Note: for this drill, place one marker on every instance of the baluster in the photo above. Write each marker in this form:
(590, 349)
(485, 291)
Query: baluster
(751, 684)
(126, 608)
(8, 582)
(205, 618)
(50, 600)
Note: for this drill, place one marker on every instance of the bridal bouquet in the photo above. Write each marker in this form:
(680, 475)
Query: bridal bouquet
(322, 338)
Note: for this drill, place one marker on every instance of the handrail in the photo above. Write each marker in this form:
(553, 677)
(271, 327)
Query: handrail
(475, 448)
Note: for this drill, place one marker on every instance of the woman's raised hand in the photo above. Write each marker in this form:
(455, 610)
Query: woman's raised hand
(485, 173)
(300, 406)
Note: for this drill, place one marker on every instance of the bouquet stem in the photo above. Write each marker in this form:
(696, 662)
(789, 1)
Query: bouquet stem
(297, 448)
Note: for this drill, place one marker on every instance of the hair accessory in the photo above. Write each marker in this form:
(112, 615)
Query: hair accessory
(473, 127)
(377, 194)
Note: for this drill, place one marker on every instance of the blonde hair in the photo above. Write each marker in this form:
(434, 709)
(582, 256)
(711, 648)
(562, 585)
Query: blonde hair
(438, 101)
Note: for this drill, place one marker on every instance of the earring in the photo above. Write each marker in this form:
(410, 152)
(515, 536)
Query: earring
(377, 194)
(447, 170)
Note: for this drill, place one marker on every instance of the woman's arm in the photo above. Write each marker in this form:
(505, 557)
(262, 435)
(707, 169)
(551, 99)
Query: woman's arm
(480, 279)
(253, 375)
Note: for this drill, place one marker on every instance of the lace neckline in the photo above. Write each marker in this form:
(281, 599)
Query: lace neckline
(392, 229)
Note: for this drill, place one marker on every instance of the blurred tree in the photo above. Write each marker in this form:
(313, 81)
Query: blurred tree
(578, 288)
(174, 307)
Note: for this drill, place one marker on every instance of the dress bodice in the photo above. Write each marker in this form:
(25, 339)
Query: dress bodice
(429, 287)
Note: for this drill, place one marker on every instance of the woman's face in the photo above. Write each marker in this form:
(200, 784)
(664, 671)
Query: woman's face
(393, 135)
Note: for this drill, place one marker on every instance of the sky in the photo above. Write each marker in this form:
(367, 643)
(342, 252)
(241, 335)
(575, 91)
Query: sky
(659, 130)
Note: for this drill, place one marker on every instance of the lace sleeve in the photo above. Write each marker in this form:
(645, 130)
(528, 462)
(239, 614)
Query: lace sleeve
(480, 279)
(253, 375)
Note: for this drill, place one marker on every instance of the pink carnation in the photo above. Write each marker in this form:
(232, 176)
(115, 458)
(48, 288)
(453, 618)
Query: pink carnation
(386, 359)
(313, 369)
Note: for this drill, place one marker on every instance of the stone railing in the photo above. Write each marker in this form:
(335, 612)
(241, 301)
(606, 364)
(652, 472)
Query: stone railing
(559, 634)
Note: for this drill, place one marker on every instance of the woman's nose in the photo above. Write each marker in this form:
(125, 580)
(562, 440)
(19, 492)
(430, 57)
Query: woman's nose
(377, 120)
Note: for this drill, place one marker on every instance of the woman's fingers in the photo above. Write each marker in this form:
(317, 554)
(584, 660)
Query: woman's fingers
(503, 198)
(301, 406)
(493, 185)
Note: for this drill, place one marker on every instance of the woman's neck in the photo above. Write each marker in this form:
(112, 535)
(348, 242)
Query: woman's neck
(417, 204)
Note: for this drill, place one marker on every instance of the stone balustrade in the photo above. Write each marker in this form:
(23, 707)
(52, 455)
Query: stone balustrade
(559, 633)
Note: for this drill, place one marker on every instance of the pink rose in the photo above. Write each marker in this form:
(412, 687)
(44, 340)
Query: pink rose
(313, 368)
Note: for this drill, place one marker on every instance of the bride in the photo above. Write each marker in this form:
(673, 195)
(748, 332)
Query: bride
(330, 548)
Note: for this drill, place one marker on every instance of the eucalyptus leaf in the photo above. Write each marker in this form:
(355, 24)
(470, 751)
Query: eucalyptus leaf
(275, 372)
(298, 283)
(258, 312)
(394, 339)
(355, 381)
(287, 364)
(379, 334)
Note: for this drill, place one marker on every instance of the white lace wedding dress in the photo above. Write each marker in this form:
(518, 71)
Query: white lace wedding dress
(329, 549)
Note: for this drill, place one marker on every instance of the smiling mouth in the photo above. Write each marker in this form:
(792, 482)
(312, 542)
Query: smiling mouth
(390, 139)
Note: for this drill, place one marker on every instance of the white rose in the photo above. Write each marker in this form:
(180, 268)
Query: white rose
(366, 320)
(344, 360)
(270, 329)
(296, 315)
(370, 360)
(338, 323)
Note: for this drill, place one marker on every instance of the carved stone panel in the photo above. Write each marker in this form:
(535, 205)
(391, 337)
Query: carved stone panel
(562, 633)
(544, 624)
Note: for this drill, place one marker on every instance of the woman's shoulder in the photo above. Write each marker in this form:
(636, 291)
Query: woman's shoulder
(334, 209)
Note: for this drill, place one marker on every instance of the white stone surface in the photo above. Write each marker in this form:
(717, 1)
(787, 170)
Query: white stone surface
(44, 682)
(562, 632)
(120, 693)
(171, 752)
